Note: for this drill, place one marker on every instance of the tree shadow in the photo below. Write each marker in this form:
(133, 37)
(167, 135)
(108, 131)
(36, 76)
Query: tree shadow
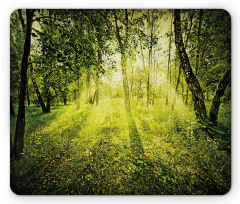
(135, 140)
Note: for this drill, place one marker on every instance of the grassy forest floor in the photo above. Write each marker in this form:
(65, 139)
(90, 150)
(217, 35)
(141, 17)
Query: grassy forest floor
(88, 151)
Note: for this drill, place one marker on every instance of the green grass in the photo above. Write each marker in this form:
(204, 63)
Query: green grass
(88, 151)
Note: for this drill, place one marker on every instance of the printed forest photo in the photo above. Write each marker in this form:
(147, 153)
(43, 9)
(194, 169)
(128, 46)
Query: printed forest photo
(120, 102)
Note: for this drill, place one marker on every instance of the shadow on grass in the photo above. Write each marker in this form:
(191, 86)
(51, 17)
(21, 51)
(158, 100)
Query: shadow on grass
(46, 148)
(135, 140)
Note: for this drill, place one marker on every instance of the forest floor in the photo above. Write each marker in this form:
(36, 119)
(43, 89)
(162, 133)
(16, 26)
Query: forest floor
(88, 151)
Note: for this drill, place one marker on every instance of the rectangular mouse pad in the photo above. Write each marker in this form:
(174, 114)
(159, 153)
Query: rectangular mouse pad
(120, 102)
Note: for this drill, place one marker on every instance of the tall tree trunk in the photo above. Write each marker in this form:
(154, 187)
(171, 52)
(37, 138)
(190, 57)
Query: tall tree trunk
(27, 94)
(192, 81)
(125, 83)
(149, 76)
(188, 29)
(182, 89)
(65, 100)
(97, 88)
(48, 105)
(97, 76)
(140, 84)
(124, 61)
(20, 126)
(222, 85)
(175, 93)
(88, 85)
(148, 91)
(198, 39)
(185, 45)
(168, 69)
(40, 99)
(135, 140)
(12, 112)
(78, 92)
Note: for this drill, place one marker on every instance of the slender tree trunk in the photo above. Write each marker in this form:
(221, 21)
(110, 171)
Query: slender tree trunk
(192, 81)
(27, 94)
(40, 99)
(125, 83)
(222, 85)
(175, 93)
(88, 85)
(135, 140)
(97, 77)
(169, 61)
(123, 61)
(179, 74)
(65, 100)
(20, 126)
(97, 89)
(140, 84)
(198, 39)
(167, 89)
(148, 90)
(48, 105)
(189, 30)
(78, 93)
(182, 89)
(150, 53)
(12, 112)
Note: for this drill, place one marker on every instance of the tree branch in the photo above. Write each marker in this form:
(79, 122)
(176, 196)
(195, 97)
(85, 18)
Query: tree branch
(117, 31)
(21, 19)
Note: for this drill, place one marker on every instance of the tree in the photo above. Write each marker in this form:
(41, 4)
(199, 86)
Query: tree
(123, 45)
(39, 96)
(169, 62)
(20, 126)
(193, 82)
(17, 37)
(222, 85)
(135, 141)
(198, 39)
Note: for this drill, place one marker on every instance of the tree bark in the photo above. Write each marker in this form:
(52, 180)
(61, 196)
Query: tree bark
(78, 93)
(123, 61)
(48, 105)
(27, 94)
(20, 126)
(88, 90)
(40, 99)
(125, 83)
(198, 39)
(149, 76)
(12, 112)
(188, 30)
(222, 85)
(179, 73)
(168, 69)
(192, 81)
(65, 100)
(97, 76)
(140, 84)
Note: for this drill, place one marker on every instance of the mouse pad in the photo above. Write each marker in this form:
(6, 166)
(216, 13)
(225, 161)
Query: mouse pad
(120, 102)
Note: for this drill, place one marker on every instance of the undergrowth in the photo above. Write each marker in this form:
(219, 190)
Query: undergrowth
(88, 151)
